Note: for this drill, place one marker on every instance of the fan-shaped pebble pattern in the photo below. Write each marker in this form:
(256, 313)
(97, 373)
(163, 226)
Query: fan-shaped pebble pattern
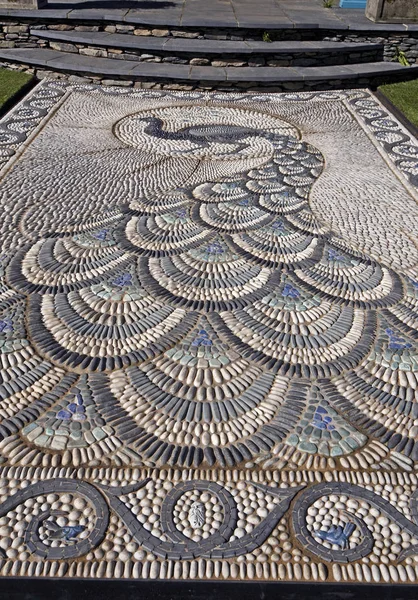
(106, 325)
(205, 402)
(300, 332)
(210, 277)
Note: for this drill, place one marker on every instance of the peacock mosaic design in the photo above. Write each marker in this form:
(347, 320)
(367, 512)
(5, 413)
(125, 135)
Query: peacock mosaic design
(208, 336)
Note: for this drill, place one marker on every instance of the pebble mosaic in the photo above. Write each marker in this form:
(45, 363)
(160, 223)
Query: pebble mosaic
(208, 336)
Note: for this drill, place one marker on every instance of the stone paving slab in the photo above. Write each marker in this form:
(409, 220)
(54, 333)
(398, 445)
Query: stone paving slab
(270, 15)
(208, 337)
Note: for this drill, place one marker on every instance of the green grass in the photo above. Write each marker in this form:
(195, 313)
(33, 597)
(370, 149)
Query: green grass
(404, 96)
(11, 82)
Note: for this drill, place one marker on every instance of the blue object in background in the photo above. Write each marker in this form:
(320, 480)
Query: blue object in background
(353, 3)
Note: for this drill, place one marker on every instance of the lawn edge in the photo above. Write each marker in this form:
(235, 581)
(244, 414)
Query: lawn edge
(18, 95)
(397, 113)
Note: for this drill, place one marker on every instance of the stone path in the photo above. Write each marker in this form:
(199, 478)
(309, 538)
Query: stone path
(208, 337)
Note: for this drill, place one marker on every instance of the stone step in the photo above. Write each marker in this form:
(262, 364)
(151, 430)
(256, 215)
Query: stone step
(184, 14)
(55, 61)
(299, 53)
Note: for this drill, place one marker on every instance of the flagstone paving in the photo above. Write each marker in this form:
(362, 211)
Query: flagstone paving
(208, 336)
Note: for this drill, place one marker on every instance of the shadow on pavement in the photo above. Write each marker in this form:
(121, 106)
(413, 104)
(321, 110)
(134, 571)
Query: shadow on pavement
(114, 4)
